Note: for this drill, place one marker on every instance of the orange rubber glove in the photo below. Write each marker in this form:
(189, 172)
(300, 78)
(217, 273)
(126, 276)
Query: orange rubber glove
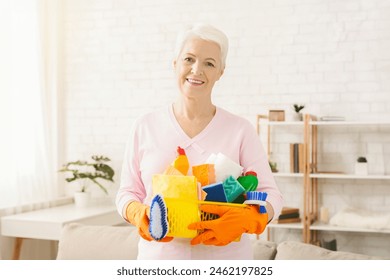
(138, 215)
(232, 222)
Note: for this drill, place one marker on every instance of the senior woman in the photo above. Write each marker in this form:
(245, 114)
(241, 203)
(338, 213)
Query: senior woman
(201, 128)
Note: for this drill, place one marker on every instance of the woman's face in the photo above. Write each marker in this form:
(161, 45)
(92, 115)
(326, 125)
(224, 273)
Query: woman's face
(198, 67)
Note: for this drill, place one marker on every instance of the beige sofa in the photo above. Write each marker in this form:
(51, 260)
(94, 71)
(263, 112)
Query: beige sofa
(120, 243)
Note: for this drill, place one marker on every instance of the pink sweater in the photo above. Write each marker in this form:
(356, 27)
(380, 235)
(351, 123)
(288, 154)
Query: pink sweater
(152, 147)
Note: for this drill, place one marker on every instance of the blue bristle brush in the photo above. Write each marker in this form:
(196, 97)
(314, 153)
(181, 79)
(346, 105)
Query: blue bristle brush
(158, 223)
(258, 198)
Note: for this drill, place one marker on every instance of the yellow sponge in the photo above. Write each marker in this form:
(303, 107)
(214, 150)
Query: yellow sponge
(204, 173)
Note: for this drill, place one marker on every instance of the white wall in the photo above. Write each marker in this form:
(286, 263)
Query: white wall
(331, 55)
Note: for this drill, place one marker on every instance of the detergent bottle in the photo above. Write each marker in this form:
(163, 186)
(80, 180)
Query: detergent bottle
(181, 162)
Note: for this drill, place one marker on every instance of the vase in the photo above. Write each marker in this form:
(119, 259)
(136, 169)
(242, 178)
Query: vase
(298, 117)
(82, 199)
(361, 168)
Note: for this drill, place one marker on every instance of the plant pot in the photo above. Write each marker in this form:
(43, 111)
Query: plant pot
(361, 168)
(298, 117)
(82, 199)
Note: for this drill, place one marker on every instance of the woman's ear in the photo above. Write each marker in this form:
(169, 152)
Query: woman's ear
(174, 64)
(221, 73)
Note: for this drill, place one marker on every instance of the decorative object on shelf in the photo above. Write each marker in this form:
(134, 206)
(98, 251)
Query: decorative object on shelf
(88, 171)
(298, 116)
(329, 244)
(361, 166)
(296, 158)
(332, 118)
(324, 215)
(276, 115)
(361, 218)
(274, 166)
(288, 215)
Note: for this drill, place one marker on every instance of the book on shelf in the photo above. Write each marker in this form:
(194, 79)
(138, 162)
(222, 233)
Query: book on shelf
(287, 221)
(332, 118)
(288, 213)
(296, 158)
(301, 166)
(289, 210)
(288, 216)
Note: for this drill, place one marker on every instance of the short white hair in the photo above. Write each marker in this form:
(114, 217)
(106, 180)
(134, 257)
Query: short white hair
(206, 32)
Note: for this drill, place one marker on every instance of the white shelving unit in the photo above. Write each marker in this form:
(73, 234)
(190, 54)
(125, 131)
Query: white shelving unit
(292, 175)
(312, 179)
(326, 227)
(349, 176)
(348, 123)
(287, 226)
(315, 180)
(262, 121)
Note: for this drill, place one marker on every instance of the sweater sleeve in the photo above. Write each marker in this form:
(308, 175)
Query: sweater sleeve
(131, 186)
(254, 158)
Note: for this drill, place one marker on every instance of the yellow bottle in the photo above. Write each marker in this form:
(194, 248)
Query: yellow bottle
(181, 162)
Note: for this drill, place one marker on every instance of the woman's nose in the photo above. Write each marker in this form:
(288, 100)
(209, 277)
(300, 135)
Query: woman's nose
(196, 69)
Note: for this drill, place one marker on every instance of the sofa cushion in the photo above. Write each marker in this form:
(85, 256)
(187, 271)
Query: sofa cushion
(292, 250)
(264, 250)
(87, 242)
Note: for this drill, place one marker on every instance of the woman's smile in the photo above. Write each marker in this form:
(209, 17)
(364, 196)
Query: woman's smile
(194, 82)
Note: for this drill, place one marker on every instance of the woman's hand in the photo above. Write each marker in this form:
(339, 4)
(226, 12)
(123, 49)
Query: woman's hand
(232, 222)
(138, 214)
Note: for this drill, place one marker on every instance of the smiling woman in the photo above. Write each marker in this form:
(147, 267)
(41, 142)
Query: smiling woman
(28, 106)
(201, 129)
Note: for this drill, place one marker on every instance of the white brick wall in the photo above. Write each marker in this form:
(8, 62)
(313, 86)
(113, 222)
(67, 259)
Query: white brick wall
(330, 55)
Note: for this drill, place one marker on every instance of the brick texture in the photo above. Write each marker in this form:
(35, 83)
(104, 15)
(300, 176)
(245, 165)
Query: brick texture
(333, 56)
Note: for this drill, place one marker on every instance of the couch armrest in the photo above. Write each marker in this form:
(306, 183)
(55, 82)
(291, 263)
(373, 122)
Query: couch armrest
(87, 242)
(263, 250)
(292, 250)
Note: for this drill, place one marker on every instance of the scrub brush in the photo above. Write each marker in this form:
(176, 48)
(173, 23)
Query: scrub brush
(158, 223)
(258, 198)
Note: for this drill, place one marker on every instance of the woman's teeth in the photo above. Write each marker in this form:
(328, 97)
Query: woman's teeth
(192, 81)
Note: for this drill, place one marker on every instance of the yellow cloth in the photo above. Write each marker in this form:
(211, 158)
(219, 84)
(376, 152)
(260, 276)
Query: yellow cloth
(173, 186)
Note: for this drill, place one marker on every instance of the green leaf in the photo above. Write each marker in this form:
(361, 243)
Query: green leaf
(101, 170)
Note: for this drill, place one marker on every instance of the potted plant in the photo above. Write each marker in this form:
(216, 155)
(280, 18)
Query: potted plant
(297, 108)
(89, 171)
(361, 166)
(273, 166)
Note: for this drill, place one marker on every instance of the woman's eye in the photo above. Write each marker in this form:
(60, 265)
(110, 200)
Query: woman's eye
(188, 59)
(210, 64)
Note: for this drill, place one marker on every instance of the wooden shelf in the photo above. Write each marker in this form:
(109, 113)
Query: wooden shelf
(349, 123)
(327, 227)
(285, 123)
(287, 225)
(349, 176)
(325, 123)
(285, 174)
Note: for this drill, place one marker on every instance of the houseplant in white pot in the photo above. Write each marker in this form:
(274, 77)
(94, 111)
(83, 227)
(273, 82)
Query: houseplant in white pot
(298, 116)
(361, 166)
(85, 172)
